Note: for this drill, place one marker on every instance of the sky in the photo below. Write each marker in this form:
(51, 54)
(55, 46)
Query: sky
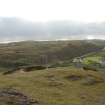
(77, 12)
(49, 10)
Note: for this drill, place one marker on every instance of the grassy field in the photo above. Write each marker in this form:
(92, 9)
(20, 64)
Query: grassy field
(90, 59)
(60, 86)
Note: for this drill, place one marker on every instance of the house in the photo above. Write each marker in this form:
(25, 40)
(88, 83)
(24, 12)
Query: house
(103, 49)
(78, 59)
(78, 62)
(102, 62)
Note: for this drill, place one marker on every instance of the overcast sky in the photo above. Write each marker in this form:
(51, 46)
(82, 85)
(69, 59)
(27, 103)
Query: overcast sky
(51, 19)
(48, 10)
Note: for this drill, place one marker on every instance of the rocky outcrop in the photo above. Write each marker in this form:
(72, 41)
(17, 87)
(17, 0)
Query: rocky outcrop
(15, 97)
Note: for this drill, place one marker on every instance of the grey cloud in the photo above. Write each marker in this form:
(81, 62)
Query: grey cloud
(14, 29)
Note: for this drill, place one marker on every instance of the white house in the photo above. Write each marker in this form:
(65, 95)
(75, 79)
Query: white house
(102, 62)
(78, 62)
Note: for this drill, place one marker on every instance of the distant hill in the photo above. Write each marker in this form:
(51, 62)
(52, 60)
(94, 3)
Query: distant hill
(26, 53)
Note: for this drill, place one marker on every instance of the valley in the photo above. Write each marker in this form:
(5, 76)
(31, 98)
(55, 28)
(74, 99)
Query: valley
(43, 73)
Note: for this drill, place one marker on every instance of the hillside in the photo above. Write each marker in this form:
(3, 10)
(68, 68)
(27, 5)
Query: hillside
(27, 53)
(60, 86)
(51, 86)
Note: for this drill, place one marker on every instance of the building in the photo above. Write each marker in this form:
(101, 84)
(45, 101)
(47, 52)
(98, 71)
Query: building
(78, 62)
(102, 62)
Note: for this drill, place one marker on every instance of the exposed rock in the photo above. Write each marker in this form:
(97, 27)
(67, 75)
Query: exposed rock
(74, 77)
(25, 69)
(14, 97)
